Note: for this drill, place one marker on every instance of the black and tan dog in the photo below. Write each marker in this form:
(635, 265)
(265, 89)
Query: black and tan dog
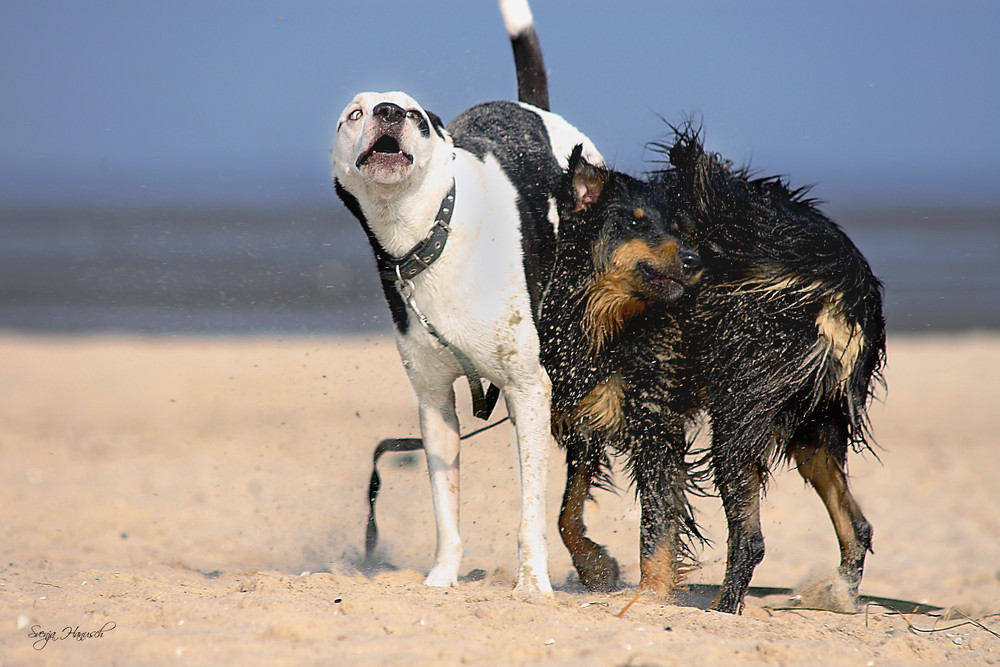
(790, 342)
(779, 344)
(613, 330)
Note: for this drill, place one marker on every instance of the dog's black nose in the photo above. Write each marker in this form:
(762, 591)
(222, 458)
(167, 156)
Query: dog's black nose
(691, 264)
(389, 113)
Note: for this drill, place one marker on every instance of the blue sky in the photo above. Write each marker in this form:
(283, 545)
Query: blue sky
(225, 102)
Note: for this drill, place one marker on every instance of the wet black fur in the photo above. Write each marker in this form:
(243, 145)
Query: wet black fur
(764, 391)
(745, 356)
(752, 342)
(649, 356)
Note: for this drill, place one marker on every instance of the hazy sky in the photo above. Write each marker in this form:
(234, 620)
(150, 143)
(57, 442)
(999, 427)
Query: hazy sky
(226, 102)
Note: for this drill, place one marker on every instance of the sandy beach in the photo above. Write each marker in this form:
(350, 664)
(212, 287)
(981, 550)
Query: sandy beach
(203, 500)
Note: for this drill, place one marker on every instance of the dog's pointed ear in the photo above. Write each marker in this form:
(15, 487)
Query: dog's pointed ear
(587, 180)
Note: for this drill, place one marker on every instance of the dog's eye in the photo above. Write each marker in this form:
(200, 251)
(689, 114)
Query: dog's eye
(355, 115)
(414, 115)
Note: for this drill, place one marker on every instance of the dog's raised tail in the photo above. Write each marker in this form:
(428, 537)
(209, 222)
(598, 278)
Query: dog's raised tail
(532, 83)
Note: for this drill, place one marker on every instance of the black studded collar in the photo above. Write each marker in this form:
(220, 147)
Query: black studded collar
(424, 253)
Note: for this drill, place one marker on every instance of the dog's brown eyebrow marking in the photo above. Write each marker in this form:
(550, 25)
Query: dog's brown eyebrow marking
(638, 213)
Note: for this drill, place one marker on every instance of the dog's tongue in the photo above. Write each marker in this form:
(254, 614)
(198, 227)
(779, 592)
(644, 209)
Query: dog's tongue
(388, 159)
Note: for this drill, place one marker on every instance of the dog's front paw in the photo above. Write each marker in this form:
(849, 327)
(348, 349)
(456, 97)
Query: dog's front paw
(442, 577)
(531, 584)
(598, 570)
(834, 593)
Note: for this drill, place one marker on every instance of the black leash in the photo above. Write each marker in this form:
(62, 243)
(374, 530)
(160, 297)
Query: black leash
(387, 445)
(375, 483)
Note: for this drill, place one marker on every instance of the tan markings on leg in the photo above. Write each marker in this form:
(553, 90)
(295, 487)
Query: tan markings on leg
(596, 568)
(825, 475)
(601, 409)
(571, 526)
(660, 574)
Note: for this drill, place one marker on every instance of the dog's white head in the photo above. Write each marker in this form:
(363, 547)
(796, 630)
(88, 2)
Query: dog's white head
(386, 143)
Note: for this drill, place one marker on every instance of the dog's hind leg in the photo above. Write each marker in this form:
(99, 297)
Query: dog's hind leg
(820, 454)
(530, 406)
(740, 488)
(439, 427)
(597, 569)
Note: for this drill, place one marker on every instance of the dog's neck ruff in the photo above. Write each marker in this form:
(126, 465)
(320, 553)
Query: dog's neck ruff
(425, 253)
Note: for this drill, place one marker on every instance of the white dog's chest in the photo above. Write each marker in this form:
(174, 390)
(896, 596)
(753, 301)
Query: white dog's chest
(475, 295)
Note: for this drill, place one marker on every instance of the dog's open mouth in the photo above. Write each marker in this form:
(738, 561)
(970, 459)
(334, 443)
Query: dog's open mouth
(659, 283)
(385, 151)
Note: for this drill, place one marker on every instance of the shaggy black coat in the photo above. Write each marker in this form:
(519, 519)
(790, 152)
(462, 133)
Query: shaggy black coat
(779, 344)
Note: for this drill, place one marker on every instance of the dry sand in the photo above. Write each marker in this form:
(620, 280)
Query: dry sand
(202, 501)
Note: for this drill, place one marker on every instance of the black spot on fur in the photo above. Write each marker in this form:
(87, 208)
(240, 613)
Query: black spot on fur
(396, 305)
(521, 144)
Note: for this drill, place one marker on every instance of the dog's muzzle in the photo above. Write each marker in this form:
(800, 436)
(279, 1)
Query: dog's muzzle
(667, 282)
(386, 151)
(388, 113)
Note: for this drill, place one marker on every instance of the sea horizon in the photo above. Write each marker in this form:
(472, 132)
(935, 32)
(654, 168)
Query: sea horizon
(233, 270)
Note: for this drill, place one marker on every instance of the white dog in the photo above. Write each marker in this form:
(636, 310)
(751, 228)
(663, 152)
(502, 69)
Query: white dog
(462, 223)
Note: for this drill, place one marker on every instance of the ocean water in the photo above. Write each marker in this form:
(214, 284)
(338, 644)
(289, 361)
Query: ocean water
(940, 267)
(310, 271)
